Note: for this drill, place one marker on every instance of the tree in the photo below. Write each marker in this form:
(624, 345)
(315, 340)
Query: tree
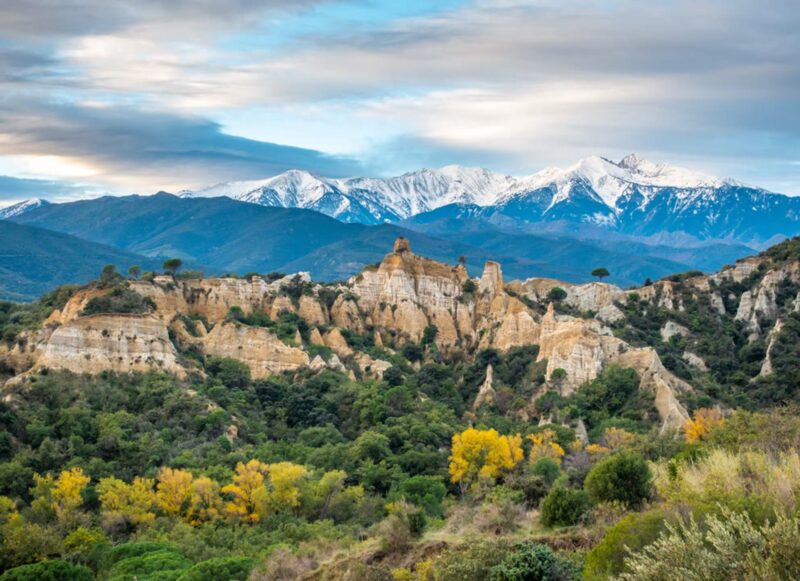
(556, 294)
(284, 478)
(133, 502)
(622, 477)
(248, 492)
(703, 422)
(600, 273)
(109, 275)
(173, 491)
(205, 502)
(545, 446)
(134, 271)
(482, 455)
(172, 265)
(61, 496)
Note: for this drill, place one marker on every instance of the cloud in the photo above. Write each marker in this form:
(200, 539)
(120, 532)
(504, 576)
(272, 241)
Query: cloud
(14, 190)
(132, 149)
(512, 84)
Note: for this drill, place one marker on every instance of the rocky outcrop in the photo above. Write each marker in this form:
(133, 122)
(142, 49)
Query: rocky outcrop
(695, 360)
(398, 298)
(486, 393)
(583, 348)
(257, 347)
(672, 329)
(760, 303)
(597, 297)
(120, 343)
(766, 367)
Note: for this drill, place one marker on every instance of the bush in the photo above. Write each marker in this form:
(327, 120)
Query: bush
(623, 477)
(548, 469)
(127, 550)
(120, 300)
(219, 569)
(427, 492)
(556, 294)
(161, 565)
(631, 533)
(729, 546)
(533, 562)
(471, 562)
(48, 571)
(563, 506)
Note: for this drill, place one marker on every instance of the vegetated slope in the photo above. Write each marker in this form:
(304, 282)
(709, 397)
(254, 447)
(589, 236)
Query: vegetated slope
(562, 255)
(34, 260)
(226, 235)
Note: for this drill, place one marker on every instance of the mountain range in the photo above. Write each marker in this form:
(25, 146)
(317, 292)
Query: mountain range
(632, 196)
(226, 235)
(638, 219)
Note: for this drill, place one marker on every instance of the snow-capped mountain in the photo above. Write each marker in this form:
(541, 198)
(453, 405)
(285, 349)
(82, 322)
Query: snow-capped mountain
(22, 207)
(370, 200)
(632, 196)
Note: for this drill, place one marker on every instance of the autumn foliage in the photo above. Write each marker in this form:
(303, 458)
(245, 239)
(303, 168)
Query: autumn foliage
(483, 455)
(703, 422)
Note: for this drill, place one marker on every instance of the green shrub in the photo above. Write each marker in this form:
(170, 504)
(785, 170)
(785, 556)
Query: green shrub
(128, 550)
(533, 562)
(623, 477)
(471, 562)
(120, 300)
(220, 569)
(427, 492)
(556, 294)
(48, 571)
(152, 566)
(729, 546)
(548, 469)
(632, 533)
(563, 506)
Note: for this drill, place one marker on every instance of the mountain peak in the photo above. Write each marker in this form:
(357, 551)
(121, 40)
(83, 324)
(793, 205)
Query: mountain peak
(630, 161)
(22, 207)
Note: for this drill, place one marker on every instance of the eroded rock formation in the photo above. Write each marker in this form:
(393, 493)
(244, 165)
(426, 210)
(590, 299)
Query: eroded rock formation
(399, 299)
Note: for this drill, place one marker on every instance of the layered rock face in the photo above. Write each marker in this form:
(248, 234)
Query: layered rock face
(119, 343)
(400, 297)
(257, 347)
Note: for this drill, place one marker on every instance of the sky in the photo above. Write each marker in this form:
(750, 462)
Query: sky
(135, 97)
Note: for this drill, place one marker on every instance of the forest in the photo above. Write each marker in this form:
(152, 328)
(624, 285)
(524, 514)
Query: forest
(322, 475)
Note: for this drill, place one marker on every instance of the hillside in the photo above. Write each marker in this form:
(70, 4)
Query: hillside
(224, 235)
(411, 420)
(34, 260)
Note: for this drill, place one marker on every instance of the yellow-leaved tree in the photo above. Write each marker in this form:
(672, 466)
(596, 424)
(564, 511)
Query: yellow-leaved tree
(284, 491)
(545, 446)
(62, 496)
(482, 455)
(134, 502)
(174, 491)
(248, 492)
(617, 438)
(206, 504)
(703, 422)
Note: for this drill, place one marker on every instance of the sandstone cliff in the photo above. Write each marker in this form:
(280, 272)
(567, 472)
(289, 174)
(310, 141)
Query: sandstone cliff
(399, 299)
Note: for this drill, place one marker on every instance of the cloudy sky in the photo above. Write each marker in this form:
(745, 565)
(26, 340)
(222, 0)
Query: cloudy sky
(99, 96)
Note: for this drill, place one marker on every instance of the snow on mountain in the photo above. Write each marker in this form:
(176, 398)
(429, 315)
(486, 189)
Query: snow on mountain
(384, 199)
(22, 207)
(633, 195)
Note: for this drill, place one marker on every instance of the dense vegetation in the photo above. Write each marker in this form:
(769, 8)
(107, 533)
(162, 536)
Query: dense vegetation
(322, 475)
